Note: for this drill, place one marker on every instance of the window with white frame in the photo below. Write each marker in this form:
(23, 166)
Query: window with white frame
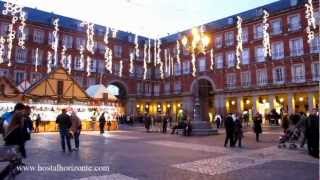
(245, 78)
(277, 50)
(77, 63)
(294, 22)
(38, 36)
(80, 41)
(229, 38)
(278, 75)
(167, 88)
(315, 45)
(40, 56)
(231, 80)
(4, 72)
(245, 56)
(156, 90)
(139, 71)
(298, 73)
(316, 71)
(276, 27)
(177, 69)
(259, 54)
(67, 41)
(317, 16)
(186, 67)
(35, 77)
(93, 65)
(5, 54)
(231, 61)
(4, 29)
(117, 51)
(218, 41)
(25, 32)
(262, 77)
(202, 64)
(177, 87)
(258, 31)
(79, 80)
(219, 60)
(19, 76)
(245, 34)
(296, 47)
(21, 55)
(147, 89)
(115, 68)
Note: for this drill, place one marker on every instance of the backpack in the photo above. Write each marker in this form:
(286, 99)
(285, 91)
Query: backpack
(5, 120)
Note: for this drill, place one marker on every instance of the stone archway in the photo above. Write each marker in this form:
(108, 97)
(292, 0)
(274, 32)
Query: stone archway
(123, 88)
(203, 88)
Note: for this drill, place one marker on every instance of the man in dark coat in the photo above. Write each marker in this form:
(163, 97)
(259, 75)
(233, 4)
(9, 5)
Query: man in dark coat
(102, 122)
(64, 122)
(312, 133)
(165, 123)
(238, 133)
(257, 128)
(229, 125)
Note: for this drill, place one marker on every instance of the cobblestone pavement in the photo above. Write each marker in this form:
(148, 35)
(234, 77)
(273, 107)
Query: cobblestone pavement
(133, 154)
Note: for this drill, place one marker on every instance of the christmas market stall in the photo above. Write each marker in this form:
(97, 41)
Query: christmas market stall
(57, 91)
(8, 94)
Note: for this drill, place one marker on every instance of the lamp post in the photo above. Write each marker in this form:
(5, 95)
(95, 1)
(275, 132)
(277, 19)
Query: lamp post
(197, 44)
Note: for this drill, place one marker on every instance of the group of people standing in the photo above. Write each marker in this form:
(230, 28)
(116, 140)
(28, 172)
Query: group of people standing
(162, 122)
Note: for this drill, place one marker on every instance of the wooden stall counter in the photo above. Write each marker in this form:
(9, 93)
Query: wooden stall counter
(51, 126)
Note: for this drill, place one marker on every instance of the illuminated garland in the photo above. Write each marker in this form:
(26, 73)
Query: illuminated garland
(120, 68)
(266, 36)
(166, 61)
(81, 57)
(131, 62)
(22, 39)
(178, 52)
(145, 67)
(149, 51)
(63, 56)
(194, 69)
(69, 64)
(49, 60)
(108, 53)
(158, 51)
(239, 49)
(169, 61)
(88, 66)
(311, 21)
(172, 70)
(161, 70)
(2, 41)
(110, 60)
(211, 59)
(55, 41)
(90, 35)
(36, 56)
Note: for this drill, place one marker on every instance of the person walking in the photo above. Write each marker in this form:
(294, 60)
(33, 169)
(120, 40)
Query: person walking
(165, 123)
(238, 133)
(75, 129)
(147, 122)
(109, 125)
(229, 126)
(64, 123)
(102, 122)
(38, 121)
(285, 123)
(257, 121)
(217, 120)
(312, 133)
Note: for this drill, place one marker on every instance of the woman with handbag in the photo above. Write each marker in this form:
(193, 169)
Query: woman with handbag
(75, 129)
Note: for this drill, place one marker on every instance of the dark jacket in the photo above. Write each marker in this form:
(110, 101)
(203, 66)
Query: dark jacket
(64, 121)
(257, 124)
(229, 124)
(238, 128)
(28, 127)
(15, 137)
(312, 128)
(102, 119)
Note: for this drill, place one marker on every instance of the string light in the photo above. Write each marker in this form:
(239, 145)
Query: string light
(63, 56)
(55, 41)
(239, 49)
(178, 52)
(2, 41)
(90, 35)
(120, 68)
(69, 63)
(169, 63)
(36, 56)
(149, 51)
(266, 36)
(158, 51)
(88, 66)
(193, 60)
(145, 67)
(311, 21)
(166, 61)
(161, 70)
(211, 59)
(22, 39)
(81, 57)
(49, 60)
(110, 60)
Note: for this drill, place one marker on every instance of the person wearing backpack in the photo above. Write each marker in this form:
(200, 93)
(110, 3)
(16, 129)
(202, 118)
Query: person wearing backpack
(6, 118)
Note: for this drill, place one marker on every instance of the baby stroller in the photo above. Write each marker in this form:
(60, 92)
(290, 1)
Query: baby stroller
(290, 138)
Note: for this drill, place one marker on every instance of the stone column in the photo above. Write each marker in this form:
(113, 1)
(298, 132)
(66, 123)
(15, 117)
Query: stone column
(271, 101)
(311, 103)
(290, 103)
(188, 105)
(239, 104)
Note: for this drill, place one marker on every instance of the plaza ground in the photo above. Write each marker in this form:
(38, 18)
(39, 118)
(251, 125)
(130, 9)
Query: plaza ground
(131, 154)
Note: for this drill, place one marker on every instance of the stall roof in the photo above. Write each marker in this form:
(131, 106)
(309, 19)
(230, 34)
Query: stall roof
(97, 92)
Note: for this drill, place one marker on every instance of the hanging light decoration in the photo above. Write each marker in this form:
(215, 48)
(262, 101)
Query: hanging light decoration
(211, 60)
(63, 56)
(166, 61)
(2, 41)
(161, 70)
(169, 63)
(49, 62)
(55, 41)
(266, 36)
(178, 53)
(239, 49)
(120, 68)
(69, 64)
(158, 51)
(90, 34)
(22, 39)
(193, 61)
(145, 66)
(110, 60)
(136, 42)
(172, 69)
(149, 51)
(310, 20)
(81, 57)
(88, 66)
(36, 59)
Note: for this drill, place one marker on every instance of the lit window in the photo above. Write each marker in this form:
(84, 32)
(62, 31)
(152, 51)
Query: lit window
(202, 64)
